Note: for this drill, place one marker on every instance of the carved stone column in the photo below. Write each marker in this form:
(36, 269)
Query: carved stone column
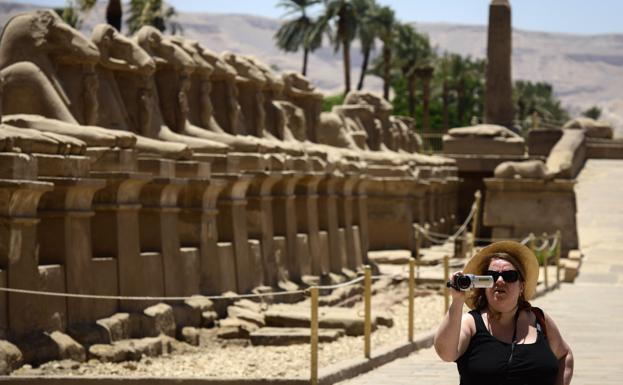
(65, 239)
(159, 228)
(260, 223)
(232, 228)
(21, 314)
(197, 222)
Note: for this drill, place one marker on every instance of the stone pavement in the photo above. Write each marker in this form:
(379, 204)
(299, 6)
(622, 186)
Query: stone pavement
(588, 312)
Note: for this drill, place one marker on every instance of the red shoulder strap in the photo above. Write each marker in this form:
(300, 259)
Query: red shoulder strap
(540, 318)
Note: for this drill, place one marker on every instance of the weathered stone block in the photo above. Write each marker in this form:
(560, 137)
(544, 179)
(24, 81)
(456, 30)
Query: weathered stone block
(10, 357)
(302, 254)
(571, 269)
(226, 266)
(255, 258)
(38, 348)
(208, 319)
(189, 262)
(90, 334)
(246, 314)
(118, 325)
(235, 328)
(158, 319)
(330, 318)
(68, 348)
(114, 353)
(190, 335)
(291, 336)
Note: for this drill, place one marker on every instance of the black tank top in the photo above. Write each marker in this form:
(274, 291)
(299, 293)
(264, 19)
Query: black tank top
(486, 360)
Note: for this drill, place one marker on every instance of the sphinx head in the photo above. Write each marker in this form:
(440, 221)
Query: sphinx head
(162, 50)
(114, 45)
(50, 33)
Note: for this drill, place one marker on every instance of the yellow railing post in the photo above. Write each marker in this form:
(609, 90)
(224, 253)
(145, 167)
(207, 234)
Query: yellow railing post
(545, 260)
(418, 246)
(558, 251)
(476, 219)
(446, 277)
(367, 324)
(314, 336)
(411, 297)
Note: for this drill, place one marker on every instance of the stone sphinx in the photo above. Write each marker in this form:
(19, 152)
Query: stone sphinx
(483, 139)
(201, 121)
(118, 53)
(29, 46)
(531, 169)
(141, 95)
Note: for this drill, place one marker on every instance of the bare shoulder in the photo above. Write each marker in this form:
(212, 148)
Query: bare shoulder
(468, 324)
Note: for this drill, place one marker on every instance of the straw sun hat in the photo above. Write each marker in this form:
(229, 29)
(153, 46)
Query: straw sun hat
(529, 265)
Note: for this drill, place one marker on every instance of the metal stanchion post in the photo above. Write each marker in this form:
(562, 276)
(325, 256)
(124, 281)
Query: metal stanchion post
(545, 260)
(558, 251)
(314, 336)
(367, 325)
(446, 277)
(411, 297)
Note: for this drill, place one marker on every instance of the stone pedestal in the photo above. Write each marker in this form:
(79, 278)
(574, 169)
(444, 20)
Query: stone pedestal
(232, 227)
(328, 221)
(159, 229)
(285, 222)
(260, 222)
(346, 218)
(308, 222)
(197, 222)
(65, 239)
(19, 260)
(115, 229)
(514, 208)
(390, 213)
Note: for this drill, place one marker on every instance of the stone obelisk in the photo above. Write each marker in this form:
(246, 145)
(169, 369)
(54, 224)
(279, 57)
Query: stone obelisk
(499, 97)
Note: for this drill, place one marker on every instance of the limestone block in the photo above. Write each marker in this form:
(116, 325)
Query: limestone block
(249, 305)
(10, 357)
(571, 269)
(302, 253)
(190, 335)
(271, 336)
(593, 128)
(114, 353)
(18, 166)
(235, 328)
(330, 318)
(256, 264)
(483, 146)
(208, 319)
(88, 334)
(150, 346)
(541, 141)
(384, 319)
(531, 169)
(118, 325)
(575, 255)
(246, 315)
(38, 348)
(226, 266)
(323, 242)
(158, 319)
(68, 348)
(190, 270)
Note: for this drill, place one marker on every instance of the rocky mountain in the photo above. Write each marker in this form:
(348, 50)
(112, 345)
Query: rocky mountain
(585, 70)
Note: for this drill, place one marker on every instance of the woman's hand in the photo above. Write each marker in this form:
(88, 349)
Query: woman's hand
(456, 294)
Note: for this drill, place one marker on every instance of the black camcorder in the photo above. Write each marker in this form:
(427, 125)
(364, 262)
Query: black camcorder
(466, 282)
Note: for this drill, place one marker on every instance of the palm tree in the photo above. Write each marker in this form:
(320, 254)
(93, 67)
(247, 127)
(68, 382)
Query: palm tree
(385, 21)
(366, 32)
(344, 15)
(154, 13)
(412, 51)
(298, 32)
(70, 13)
(114, 14)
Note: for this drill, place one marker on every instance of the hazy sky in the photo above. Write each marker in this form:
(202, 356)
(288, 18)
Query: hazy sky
(572, 16)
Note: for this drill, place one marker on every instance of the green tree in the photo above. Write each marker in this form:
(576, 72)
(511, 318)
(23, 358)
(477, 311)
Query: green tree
(366, 32)
(530, 98)
(343, 15)
(385, 21)
(297, 33)
(72, 10)
(154, 13)
(593, 113)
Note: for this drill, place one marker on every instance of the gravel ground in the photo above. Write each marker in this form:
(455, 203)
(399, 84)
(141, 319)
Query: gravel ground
(239, 359)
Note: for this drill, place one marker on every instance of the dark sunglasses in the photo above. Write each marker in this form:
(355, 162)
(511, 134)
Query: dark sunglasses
(509, 276)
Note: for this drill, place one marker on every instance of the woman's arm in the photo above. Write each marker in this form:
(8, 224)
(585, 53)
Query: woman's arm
(561, 350)
(455, 330)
